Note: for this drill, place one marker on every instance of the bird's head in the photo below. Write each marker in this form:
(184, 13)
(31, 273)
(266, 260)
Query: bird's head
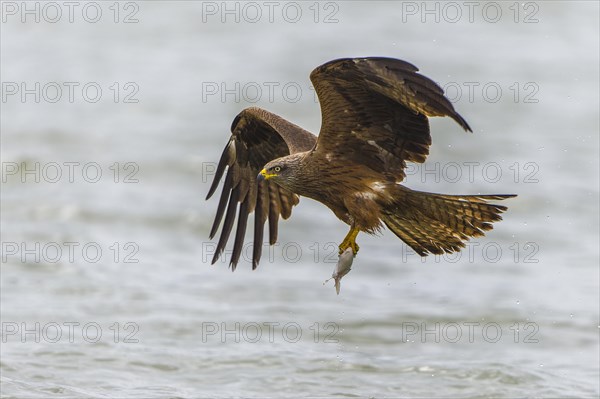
(281, 170)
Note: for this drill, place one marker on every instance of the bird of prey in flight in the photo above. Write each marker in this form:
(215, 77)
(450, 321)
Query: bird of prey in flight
(374, 114)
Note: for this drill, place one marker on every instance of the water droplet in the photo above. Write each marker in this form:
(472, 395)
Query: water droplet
(518, 302)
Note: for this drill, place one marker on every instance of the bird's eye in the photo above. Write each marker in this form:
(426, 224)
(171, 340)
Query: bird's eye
(277, 168)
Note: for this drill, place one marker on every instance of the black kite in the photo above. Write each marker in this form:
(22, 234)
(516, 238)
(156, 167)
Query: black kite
(374, 120)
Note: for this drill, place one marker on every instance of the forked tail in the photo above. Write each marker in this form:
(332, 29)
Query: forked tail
(438, 223)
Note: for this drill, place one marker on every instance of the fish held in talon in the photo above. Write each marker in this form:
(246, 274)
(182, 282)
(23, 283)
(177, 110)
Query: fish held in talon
(342, 268)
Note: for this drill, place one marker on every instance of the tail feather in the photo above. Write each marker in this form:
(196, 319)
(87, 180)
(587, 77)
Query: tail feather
(470, 215)
(437, 223)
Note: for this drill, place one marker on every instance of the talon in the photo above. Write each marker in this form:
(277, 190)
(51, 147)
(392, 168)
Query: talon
(350, 242)
(352, 245)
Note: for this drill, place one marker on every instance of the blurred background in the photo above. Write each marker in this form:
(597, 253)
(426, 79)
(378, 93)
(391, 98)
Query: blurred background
(113, 117)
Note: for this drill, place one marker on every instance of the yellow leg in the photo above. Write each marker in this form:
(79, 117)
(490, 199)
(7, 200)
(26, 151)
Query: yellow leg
(350, 241)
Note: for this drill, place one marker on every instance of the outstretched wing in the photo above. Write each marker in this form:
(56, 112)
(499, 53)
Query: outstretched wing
(374, 112)
(257, 137)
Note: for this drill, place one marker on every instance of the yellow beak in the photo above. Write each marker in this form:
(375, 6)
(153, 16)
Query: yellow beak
(264, 175)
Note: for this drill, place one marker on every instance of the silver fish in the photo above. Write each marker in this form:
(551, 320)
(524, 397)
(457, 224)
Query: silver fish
(342, 268)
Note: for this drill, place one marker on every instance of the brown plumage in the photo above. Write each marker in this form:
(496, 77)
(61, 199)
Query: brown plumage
(374, 120)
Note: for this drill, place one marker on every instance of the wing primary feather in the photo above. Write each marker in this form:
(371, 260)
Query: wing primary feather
(225, 196)
(228, 224)
(286, 205)
(239, 234)
(461, 121)
(393, 63)
(259, 223)
(274, 211)
(227, 159)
